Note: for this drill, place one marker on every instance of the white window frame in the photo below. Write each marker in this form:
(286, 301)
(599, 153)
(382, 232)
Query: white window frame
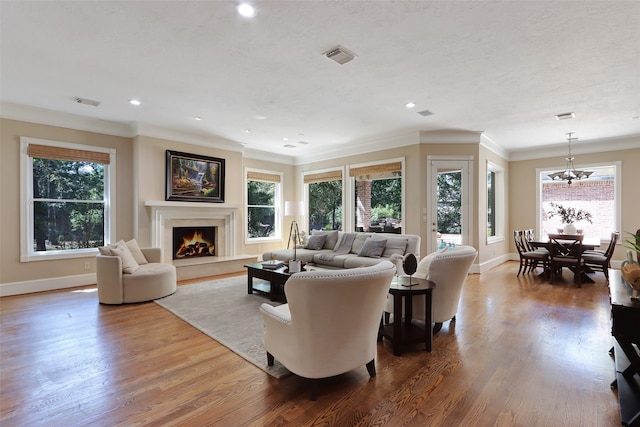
(27, 253)
(500, 202)
(278, 208)
(617, 165)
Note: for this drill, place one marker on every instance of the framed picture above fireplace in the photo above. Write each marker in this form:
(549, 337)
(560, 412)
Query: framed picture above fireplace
(194, 178)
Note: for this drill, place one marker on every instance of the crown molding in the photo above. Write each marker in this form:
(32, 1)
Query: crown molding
(585, 147)
(43, 116)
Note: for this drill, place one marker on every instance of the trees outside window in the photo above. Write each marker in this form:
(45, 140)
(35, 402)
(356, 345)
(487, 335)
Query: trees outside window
(263, 199)
(450, 202)
(325, 205)
(68, 204)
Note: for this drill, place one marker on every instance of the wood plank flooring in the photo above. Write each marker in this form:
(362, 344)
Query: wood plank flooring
(523, 352)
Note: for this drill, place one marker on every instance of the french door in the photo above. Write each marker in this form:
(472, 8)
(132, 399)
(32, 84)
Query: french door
(450, 197)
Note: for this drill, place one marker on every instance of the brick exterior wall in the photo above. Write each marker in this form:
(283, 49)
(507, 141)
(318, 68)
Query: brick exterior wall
(363, 204)
(595, 197)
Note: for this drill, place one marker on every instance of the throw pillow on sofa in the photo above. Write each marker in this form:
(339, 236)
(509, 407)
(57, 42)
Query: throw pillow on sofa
(372, 248)
(136, 252)
(395, 246)
(316, 241)
(121, 250)
(332, 238)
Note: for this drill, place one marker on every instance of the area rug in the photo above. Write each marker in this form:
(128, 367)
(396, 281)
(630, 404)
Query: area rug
(223, 310)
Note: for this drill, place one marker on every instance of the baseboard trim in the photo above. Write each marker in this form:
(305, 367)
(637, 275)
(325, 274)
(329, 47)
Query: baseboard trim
(48, 284)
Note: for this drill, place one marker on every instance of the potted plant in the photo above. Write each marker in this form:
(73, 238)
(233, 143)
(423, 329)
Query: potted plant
(569, 216)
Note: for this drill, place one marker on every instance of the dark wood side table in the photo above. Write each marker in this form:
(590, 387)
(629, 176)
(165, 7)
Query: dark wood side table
(625, 317)
(404, 333)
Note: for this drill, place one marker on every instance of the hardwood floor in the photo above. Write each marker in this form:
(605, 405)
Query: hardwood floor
(522, 353)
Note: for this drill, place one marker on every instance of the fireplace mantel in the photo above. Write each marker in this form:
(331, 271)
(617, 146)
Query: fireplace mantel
(163, 214)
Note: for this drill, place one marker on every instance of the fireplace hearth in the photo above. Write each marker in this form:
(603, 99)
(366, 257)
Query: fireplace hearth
(194, 242)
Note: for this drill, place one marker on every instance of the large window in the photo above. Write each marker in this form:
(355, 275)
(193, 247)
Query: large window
(263, 199)
(598, 195)
(66, 210)
(378, 197)
(324, 195)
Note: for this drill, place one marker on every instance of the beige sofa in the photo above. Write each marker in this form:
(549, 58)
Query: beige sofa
(350, 250)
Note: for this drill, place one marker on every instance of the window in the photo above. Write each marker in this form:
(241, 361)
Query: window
(495, 203)
(65, 199)
(378, 197)
(598, 195)
(324, 196)
(263, 199)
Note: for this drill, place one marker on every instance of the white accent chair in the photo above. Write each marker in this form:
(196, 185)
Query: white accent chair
(331, 322)
(151, 280)
(448, 269)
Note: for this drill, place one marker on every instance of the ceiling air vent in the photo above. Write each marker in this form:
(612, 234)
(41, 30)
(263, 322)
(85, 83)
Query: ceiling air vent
(565, 116)
(340, 55)
(87, 101)
(425, 113)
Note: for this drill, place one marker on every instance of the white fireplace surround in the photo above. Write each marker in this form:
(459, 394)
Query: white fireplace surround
(166, 215)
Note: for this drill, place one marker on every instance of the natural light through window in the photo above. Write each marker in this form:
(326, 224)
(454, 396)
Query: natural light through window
(598, 195)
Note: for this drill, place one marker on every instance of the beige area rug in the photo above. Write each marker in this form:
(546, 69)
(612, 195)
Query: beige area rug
(223, 310)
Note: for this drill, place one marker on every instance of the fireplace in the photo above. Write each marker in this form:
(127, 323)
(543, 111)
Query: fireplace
(194, 242)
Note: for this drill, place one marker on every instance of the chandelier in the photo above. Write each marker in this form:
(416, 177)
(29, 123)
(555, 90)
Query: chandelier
(570, 173)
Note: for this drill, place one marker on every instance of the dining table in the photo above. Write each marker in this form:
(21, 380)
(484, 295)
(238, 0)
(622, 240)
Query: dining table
(588, 244)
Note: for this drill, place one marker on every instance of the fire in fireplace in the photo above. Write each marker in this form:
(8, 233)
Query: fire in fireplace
(191, 242)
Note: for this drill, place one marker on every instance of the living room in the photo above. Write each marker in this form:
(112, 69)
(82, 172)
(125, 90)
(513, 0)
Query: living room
(137, 341)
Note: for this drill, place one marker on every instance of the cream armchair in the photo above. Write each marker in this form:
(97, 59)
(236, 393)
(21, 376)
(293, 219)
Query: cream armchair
(448, 269)
(330, 324)
(146, 277)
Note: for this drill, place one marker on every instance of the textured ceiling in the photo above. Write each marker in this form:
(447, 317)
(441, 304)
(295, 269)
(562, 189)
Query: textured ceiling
(502, 68)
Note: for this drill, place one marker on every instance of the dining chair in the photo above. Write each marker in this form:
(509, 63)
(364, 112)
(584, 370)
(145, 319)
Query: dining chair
(565, 250)
(529, 259)
(601, 260)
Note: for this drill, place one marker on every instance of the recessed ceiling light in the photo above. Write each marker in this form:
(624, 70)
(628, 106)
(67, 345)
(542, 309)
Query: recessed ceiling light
(246, 10)
(198, 118)
(289, 146)
(303, 142)
(565, 116)
(261, 118)
(410, 104)
(285, 139)
(247, 131)
(135, 102)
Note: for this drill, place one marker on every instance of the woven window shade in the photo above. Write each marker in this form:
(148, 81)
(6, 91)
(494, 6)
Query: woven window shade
(261, 176)
(323, 177)
(376, 169)
(69, 154)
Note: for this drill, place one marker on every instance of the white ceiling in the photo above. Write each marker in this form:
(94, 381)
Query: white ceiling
(502, 68)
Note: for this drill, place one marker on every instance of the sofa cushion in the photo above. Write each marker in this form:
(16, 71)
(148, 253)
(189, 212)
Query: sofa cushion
(136, 252)
(372, 248)
(316, 241)
(358, 243)
(334, 261)
(395, 246)
(332, 238)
